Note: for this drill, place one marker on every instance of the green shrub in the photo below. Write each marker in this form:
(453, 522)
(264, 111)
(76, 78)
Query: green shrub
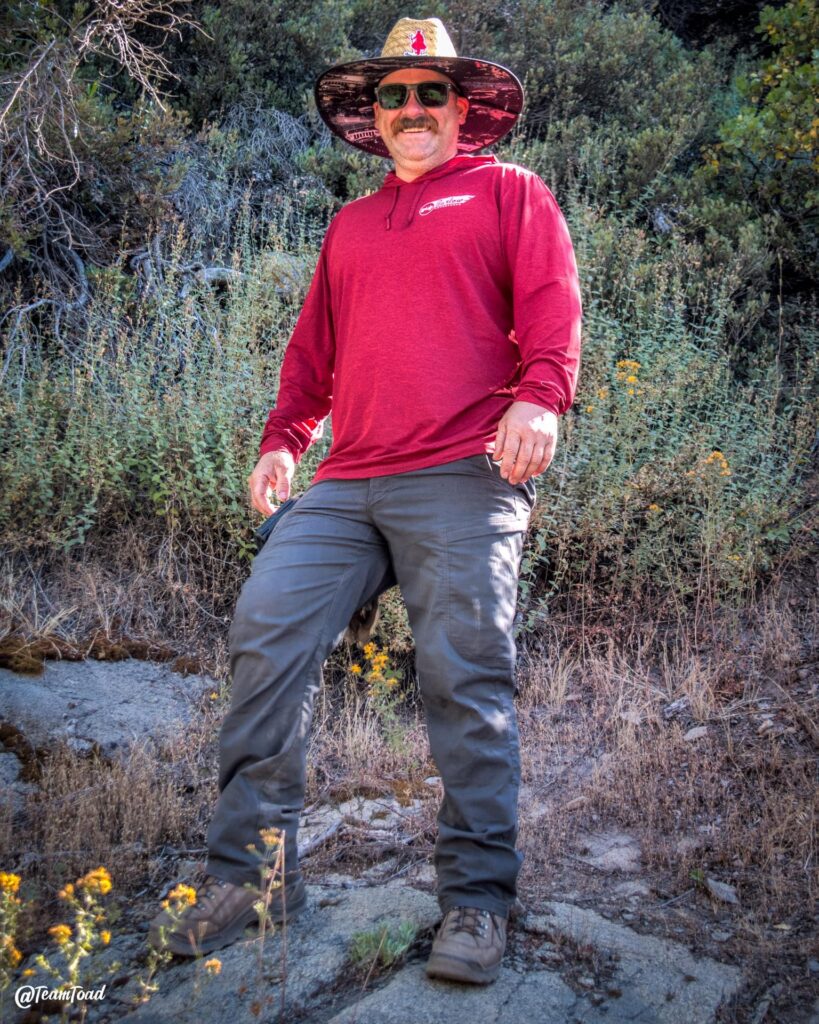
(155, 409)
(259, 54)
(766, 148)
(674, 479)
(384, 945)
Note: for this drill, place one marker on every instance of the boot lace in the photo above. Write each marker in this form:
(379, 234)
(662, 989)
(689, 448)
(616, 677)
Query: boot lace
(470, 920)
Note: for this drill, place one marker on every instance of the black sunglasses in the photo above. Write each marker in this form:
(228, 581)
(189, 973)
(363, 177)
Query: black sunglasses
(429, 94)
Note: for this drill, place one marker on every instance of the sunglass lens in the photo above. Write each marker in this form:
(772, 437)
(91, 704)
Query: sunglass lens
(391, 97)
(433, 94)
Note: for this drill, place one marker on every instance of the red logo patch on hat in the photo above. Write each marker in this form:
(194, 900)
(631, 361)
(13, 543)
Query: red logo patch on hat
(418, 44)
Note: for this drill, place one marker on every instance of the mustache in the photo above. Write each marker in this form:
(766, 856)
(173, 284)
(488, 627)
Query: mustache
(413, 122)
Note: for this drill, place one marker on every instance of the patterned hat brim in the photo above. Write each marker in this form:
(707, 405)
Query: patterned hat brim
(345, 96)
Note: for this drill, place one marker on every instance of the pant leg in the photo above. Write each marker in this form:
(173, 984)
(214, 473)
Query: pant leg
(322, 563)
(456, 535)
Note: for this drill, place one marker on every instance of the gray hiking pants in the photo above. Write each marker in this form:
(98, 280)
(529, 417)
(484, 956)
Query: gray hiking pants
(452, 535)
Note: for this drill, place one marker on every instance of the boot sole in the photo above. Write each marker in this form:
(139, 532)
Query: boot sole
(184, 946)
(452, 968)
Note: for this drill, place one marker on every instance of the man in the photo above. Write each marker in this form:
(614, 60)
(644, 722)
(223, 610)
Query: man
(442, 326)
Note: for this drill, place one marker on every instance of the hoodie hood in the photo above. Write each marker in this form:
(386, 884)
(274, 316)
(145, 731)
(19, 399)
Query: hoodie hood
(415, 189)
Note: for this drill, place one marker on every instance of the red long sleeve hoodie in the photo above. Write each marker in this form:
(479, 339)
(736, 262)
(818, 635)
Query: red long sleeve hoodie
(405, 329)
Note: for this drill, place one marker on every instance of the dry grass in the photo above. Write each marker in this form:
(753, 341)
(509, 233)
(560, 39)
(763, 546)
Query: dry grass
(145, 595)
(604, 747)
(131, 814)
(603, 711)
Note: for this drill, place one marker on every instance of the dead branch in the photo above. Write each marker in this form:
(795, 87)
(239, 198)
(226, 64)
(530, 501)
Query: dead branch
(112, 34)
(47, 143)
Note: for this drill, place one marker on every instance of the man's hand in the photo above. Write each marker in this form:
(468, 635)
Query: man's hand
(273, 471)
(525, 442)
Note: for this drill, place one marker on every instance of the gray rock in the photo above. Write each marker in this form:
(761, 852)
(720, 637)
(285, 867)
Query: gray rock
(318, 948)
(721, 890)
(411, 997)
(631, 889)
(13, 790)
(10, 768)
(696, 733)
(108, 703)
(611, 851)
(660, 981)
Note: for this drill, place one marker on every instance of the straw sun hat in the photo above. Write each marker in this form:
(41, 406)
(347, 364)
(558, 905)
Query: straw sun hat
(345, 93)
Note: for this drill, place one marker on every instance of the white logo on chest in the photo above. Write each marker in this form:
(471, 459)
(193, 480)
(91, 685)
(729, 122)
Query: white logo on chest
(439, 204)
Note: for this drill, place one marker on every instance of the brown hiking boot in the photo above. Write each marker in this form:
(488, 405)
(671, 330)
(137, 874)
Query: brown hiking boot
(220, 915)
(469, 946)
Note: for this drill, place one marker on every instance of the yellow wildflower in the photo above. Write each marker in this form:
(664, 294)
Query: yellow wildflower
(9, 882)
(589, 408)
(214, 695)
(271, 836)
(213, 966)
(67, 892)
(631, 379)
(183, 894)
(602, 393)
(356, 670)
(29, 972)
(369, 649)
(61, 933)
(630, 391)
(12, 954)
(97, 880)
(105, 937)
(654, 508)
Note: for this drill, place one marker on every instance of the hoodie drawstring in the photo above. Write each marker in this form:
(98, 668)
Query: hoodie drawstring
(395, 192)
(414, 206)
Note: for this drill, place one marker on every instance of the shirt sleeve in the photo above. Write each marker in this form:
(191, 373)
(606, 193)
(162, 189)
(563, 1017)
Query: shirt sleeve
(545, 291)
(306, 380)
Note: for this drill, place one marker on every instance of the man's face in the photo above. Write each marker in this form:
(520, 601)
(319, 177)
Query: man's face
(419, 138)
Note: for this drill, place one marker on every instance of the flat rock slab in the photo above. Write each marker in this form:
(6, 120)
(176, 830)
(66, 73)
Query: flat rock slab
(538, 997)
(661, 982)
(610, 851)
(111, 704)
(318, 958)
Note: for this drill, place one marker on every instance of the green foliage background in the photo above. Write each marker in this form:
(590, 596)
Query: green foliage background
(688, 177)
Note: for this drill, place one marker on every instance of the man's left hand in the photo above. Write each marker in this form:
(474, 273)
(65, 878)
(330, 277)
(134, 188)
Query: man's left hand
(525, 442)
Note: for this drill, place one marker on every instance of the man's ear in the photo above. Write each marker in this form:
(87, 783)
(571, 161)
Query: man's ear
(463, 106)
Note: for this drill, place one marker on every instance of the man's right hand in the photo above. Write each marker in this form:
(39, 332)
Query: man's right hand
(273, 471)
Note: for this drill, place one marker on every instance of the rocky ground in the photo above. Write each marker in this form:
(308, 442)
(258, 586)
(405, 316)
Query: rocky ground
(601, 940)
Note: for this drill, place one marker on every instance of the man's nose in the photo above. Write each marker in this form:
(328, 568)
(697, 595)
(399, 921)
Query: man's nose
(413, 106)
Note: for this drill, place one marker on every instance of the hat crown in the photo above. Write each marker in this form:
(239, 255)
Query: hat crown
(418, 37)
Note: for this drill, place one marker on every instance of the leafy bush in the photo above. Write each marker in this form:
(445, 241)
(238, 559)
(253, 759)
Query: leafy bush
(767, 149)
(156, 408)
(259, 54)
(673, 478)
